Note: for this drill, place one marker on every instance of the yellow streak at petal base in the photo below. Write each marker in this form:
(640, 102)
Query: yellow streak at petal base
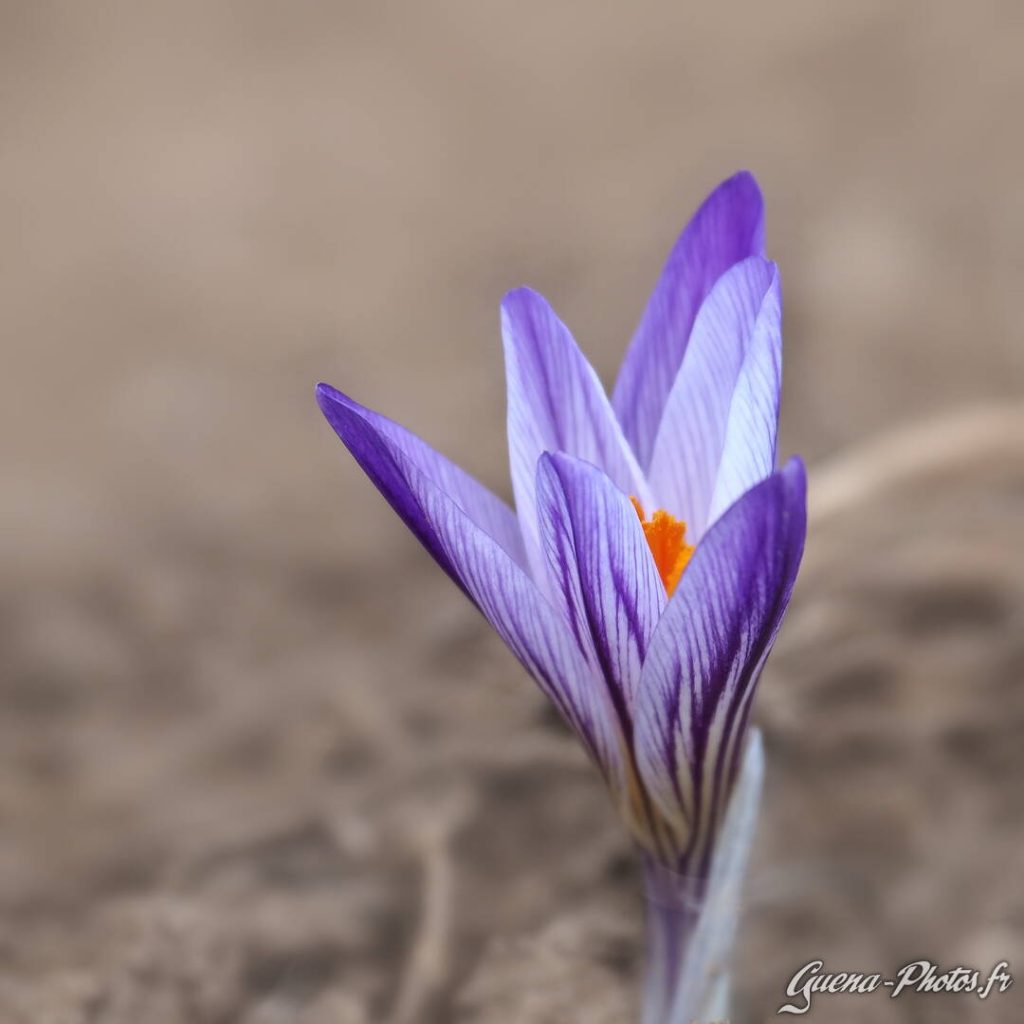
(666, 537)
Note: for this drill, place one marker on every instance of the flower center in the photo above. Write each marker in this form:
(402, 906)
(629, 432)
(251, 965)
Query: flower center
(666, 537)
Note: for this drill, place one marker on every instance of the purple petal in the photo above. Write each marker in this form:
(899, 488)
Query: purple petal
(707, 653)
(599, 556)
(721, 416)
(357, 425)
(727, 228)
(555, 403)
(489, 576)
(748, 450)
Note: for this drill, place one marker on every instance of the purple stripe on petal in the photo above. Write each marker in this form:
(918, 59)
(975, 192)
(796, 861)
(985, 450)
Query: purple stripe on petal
(727, 228)
(748, 448)
(381, 460)
(555, 403)
(724, 403)
(491, 578)
(534, 632)
(485, 508)
(600, 558)
(708, 651)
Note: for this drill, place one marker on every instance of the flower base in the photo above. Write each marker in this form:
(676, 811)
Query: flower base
(691, 921)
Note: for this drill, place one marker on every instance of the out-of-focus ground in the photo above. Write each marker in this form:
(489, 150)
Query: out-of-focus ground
(259, 762)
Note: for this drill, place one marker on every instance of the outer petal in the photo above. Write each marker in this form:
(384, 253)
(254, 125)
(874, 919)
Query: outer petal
(483, 507)
(727, 228)
(707, 654)
(498, 586)
(555, 403)
(600, 559)
(724, 404)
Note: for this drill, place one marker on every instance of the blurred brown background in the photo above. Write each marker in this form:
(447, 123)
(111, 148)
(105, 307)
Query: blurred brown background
(259, 762)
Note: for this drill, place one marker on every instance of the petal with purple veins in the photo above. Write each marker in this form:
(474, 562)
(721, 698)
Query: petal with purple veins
(368, 430)
(724, 390)
(489, 576)
(707, 653)
(601, 561)
(748, 448)
(727, 228)
(555, 403)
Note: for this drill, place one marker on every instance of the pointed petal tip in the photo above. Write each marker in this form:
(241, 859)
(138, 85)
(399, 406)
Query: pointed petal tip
(766, 271)
(787, 485)
(326, 395)
(743, 188)
(740, 191)
(755, 272)
(521, 292)
(795, 472)
(745, 179)
(791, 495)
(727, 228)
(795, 465)
(332, 401)
(562, 460)
(546, 461)
(564, 466)
(518, 302)
(337, 407)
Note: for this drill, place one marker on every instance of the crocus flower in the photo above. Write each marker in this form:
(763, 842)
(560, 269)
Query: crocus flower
(644, 573)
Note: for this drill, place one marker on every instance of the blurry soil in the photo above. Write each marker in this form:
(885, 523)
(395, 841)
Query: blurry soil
(341, 801)
(259, 762)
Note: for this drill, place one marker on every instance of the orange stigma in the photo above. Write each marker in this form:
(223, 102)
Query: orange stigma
(666, 537)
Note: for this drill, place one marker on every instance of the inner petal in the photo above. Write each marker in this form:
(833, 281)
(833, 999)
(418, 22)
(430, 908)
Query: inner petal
(666, 537)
